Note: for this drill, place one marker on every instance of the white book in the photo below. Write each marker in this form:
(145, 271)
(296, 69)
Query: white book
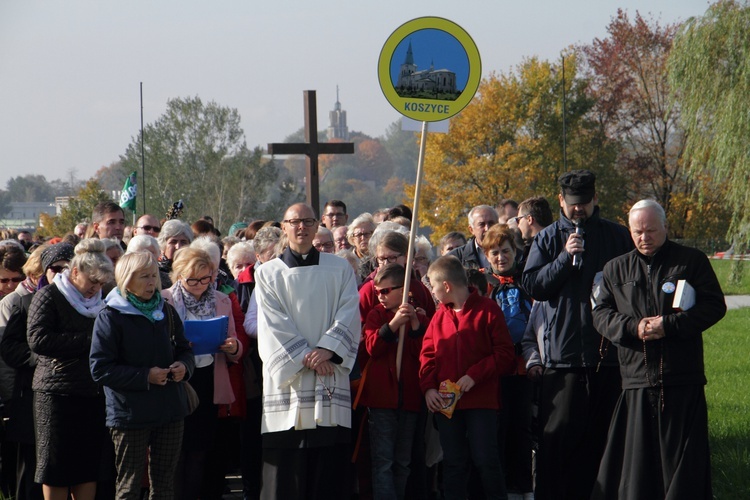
(684, 296)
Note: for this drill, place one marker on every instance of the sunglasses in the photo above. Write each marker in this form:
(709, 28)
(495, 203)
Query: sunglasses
(5, 281)
(386, 291)
(155, 229)
(57, 269)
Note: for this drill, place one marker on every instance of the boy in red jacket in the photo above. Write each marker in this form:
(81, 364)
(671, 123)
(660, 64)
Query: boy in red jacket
(467, 342)
(393, 403)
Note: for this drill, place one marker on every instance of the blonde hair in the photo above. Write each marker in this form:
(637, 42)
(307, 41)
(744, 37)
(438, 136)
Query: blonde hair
(33, 266)
(91, 260)
(189, 261)
(130, 265)
(448, 268)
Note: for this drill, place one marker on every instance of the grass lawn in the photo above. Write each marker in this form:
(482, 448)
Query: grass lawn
(722, 269)
(727, 348)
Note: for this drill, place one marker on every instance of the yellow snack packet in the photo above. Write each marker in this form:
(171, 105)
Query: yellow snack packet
(450, 394)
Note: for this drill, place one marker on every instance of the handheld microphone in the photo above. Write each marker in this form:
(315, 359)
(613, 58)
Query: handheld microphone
(578, 258)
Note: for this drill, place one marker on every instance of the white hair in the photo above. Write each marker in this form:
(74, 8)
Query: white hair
(209, 246)
(477, 209)
(650, 205)
(143, 242)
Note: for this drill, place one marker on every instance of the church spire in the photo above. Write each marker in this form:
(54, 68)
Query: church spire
(409, 55)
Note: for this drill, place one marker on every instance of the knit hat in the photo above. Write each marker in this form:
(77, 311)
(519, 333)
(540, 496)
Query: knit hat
(59, 251)
(237, 225)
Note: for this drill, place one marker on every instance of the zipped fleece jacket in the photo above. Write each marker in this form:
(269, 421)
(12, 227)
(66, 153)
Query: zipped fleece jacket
(636, 286)
(570, 340)
(473, 341)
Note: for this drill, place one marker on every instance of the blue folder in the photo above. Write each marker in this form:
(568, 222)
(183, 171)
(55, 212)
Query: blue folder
(207, 335)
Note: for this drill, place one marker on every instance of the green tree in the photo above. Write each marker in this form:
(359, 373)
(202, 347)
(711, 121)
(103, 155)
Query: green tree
(709, 69)
(508, 143)
(197, 152)
(79, 208)
(30, 188)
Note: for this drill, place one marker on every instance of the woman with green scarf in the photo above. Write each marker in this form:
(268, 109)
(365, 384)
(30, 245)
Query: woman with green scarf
(139, 354)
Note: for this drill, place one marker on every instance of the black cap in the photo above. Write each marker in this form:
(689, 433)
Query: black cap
(577, 186)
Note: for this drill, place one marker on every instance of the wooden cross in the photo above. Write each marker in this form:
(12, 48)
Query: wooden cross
(312, 148)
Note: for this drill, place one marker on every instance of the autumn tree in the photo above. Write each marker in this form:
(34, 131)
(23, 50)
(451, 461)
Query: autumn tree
(508, 143)
(197, 152)
(631, 93)
(79, 208)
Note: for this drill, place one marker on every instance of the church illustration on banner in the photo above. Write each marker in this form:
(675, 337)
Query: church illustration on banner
(427, 83)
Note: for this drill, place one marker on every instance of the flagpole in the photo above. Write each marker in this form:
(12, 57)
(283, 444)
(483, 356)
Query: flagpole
(143, 161)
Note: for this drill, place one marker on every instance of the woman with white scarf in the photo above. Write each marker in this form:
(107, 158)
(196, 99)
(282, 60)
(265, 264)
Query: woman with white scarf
(69, 408)
(195, 297)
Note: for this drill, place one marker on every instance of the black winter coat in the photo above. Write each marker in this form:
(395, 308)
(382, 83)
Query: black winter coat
(635, 287)
(61, 337)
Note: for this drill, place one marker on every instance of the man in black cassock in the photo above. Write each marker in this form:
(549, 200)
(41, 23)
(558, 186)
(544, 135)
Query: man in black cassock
(657, 447)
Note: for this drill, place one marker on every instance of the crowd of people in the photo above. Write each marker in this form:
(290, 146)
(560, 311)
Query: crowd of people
(537, 358)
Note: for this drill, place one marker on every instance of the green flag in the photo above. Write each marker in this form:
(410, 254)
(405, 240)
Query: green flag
(127, 197)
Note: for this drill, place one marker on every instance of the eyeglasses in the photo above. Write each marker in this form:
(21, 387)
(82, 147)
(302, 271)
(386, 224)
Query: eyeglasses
(18, 279)
(57, 269)
(386, 291)
(422, 260)
(519, 217)
(336, 215)
(361, 235)
(194, 281)
(296, 222)
(155, 229)
(388, 260)
(327, 245)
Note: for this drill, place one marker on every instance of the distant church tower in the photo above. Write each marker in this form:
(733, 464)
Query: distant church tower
(408, 68)
(337, 128)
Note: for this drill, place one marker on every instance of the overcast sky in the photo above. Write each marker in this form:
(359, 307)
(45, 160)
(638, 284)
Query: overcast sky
(70, 71)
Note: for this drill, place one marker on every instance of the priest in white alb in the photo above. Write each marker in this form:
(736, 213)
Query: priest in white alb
(308, 334)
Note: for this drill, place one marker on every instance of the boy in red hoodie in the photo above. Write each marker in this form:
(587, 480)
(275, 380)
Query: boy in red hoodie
(393, 403)
(467, 342)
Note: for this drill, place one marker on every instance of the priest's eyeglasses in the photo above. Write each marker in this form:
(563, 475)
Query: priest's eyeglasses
(296, 222)
(195, 281)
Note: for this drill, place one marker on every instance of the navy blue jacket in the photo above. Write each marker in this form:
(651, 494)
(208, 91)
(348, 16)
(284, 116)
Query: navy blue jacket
(570, 340)
(125, 346)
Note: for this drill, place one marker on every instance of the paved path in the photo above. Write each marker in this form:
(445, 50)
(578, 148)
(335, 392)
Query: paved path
(737, 301)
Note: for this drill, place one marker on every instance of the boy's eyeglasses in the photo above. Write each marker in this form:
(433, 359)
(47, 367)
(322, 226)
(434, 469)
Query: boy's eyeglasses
(388, 260)
(386, 291)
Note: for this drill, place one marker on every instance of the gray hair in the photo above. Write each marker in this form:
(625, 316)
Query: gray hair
(381, 230)
(365, 218)
(208, 245)
(423, 244)
(91, 260)
(240, 250)
(173, 228)
(266, 237)
(143, 243)
(650, 205)
(476, 209)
